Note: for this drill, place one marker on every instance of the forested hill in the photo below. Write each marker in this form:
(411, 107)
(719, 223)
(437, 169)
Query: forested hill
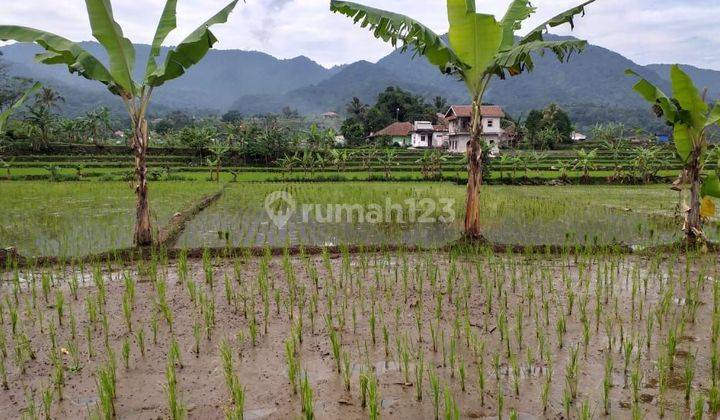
(592, 87)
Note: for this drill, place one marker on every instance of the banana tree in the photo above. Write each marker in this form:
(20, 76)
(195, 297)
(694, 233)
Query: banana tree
(5, 115)
(118, 76)
(690, 116)
(480, 48)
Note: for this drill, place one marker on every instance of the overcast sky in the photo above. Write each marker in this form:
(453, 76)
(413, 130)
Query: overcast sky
(646, 31)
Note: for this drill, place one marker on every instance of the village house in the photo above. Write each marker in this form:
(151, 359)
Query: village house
(399, 133)
(459, 116)
(423, 135)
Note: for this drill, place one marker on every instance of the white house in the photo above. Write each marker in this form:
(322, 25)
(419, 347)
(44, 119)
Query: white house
(459, 116)
(441, 136)
(575, 136)
(422, 135)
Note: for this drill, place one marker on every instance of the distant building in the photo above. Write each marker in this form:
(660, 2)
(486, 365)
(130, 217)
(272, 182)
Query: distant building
(398, 132)
(331, 115)
(422, 135)
(577, 137)
(459, 117)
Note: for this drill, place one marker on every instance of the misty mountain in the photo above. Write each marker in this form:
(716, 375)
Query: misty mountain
(592, 86)
(214, 84)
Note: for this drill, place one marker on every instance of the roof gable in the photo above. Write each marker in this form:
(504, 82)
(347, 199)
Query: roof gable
(396, 129)
(465, 111)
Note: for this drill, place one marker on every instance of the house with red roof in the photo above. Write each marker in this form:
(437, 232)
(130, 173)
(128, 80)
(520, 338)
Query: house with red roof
(398, 132)
(459, 118)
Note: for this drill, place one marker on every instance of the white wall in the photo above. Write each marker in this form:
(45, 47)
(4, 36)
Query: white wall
(491, 125)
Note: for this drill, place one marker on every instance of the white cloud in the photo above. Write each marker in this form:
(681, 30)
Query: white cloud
(644, 30)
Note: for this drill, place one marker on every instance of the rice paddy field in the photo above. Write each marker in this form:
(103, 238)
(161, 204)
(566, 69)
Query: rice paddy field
(83, 218)
(467, 333)
(72, 219)
(328, 314)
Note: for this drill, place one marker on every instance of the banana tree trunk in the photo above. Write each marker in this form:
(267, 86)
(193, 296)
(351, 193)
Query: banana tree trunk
(143, 227)
(472, 208)
(693, 226)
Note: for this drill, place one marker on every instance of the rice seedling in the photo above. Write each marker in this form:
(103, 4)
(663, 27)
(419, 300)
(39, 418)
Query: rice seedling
(571, 373)
(74, 352)
(714, 400)
(335, 344)
(419, 373)
(306, 393)
(125, 352)
(373, 401)
(47, 400)
(140, 339)
(4, 374)
(127, 313)
(293, 364)
(689, 375)
(30, 408)
(174, 356)
(106, 383)
(434, 382)
(176, 408)
(89, 340)
(699, 407)
(545, 391)
(346, 371)
(452, 411)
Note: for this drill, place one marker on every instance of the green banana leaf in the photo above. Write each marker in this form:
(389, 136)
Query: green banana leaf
(120, 50)
(711, 187)
(61, 51)
(393, 27)
(168, 22)
(566, 17)
(190, 51)
(5, 115)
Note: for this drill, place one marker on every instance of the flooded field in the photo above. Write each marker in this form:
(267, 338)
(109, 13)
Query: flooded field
(402, 335)
(641, 216)
(82, 218)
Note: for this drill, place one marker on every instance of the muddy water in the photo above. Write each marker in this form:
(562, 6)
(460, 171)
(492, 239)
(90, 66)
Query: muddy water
(460, 301)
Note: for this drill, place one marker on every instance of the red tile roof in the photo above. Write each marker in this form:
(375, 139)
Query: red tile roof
(465, 111)
(397, 129)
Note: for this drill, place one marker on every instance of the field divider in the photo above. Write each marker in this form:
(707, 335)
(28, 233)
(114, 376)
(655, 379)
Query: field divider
(461, 247)
(169, 234)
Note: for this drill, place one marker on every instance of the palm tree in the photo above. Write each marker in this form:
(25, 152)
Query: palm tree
(118, 77)
(440, 104)
(41, 120)
(691, 117)
(480, 48)
(357, 109)
(49, 98)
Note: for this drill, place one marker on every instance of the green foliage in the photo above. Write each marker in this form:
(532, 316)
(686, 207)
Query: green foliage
(548, 127)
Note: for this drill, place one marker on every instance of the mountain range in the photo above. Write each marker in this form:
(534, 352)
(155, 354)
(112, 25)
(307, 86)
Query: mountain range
(592, 86)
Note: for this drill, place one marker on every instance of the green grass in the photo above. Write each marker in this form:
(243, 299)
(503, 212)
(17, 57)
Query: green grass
(78, 218)
(641, 215)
